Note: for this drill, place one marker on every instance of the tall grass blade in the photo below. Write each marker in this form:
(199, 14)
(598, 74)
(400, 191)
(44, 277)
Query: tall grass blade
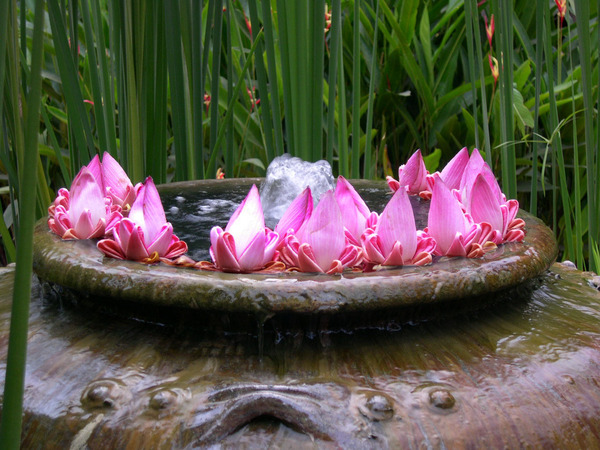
(268, 23)
(539, 49)
(83, 146)
(343, 168)
(95, 77)
(261, 75)
(356, 55)
(230, 107)
(183, 168)
(229, 157)
(10, 426)
(131, 56)
(214, 90)
(484, 106)
(470, 17)
(197, 86)
(286, 74)
(154, 93)
(368, 171)
(106, 83)
(316, 77)
(582, 8)
(334, 50)
(556, 141)
(504, 12)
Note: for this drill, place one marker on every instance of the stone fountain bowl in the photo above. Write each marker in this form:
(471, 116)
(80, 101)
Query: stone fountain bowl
(77, 268)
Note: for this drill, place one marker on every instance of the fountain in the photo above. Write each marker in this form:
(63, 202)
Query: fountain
(501, 351)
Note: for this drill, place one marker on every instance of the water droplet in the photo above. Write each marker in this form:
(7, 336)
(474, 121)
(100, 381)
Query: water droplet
(441, 398)
(103, 394)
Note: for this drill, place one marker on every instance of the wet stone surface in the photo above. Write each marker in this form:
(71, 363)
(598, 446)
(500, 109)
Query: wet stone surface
(509, 375)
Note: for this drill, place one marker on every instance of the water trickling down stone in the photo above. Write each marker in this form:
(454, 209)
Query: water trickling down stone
(287, 177)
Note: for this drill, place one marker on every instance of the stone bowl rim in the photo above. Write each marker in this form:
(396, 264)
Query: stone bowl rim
(447, 280)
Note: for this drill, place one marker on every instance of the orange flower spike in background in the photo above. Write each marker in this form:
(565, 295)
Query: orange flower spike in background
(489, 29)
(562, 9)
(494, 68)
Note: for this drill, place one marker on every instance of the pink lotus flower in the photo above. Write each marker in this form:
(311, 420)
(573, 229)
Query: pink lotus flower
(473, 169)
(62, 198)
(82, 213)
(321, 245)
(356, 215)
(452, 172)
(412, 175)
(245, 245)
(394, 241)
(115, 182)
(454, 231)
(145, 235)
(484, 205)
(297, 213)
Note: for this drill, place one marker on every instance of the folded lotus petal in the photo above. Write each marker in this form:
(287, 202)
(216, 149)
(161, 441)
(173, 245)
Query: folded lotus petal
(215, 233)
(474, 235)
(162, 240)
(489, 246)
(477, 166)
(135, 248)
(224, 251)
(271, 243)
(489, 234)
(336, 267)
(457, 246)
(413, 174)
(116, 182)
(353, 208)
(422, 259)
(372, 220)
(176, 249)
(452, 173)
(392, 183)
(114, 218)
(251, 258)
(509, 212)
(425, 243)
(147, 210)
(324, 231)
(86, 195)
(85, 228)
(395, 256)
(372, 248)
(351, 256)
(476, 251)
(514, 235)
(60, 223)
(95, 168)
(446, 219)
(484, 206)
(397, 224)
(288, 252)
(247, 220)
(297, 213)
(62, 199)
(110, 248)
(122, 233)
(517, 224)
(307, 261)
